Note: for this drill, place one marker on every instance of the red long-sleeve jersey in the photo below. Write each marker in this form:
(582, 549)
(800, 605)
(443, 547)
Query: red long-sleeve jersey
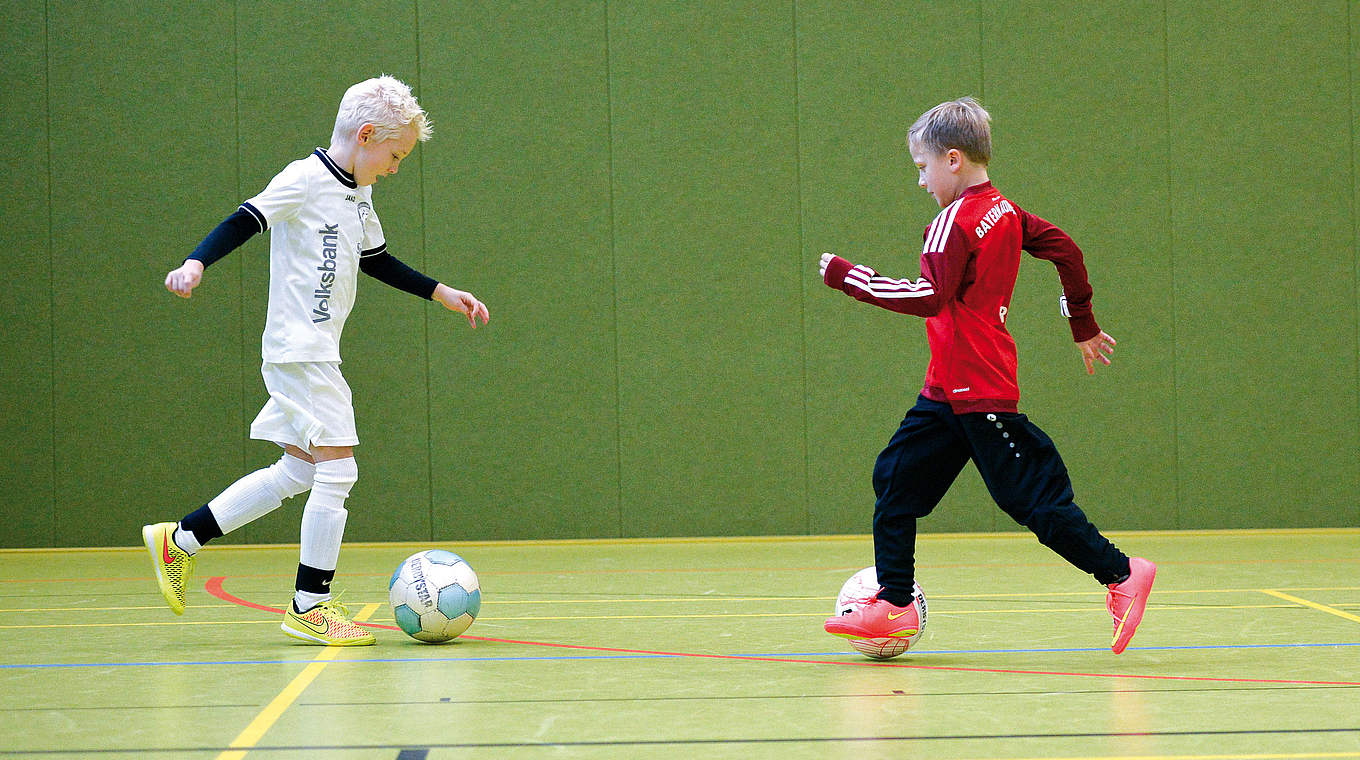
(969, 262)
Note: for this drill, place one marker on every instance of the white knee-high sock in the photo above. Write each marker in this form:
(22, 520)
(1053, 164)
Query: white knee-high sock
(261, 492)
(323, 519)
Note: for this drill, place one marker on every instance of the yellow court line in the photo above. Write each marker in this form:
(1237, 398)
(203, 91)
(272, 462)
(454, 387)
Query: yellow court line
(270, 714)
(120, 625)
(112, 609)
(932, 597)
(1314, 605)
(820, 538)
(1235, 756)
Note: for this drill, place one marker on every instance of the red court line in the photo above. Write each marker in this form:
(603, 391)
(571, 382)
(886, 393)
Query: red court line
(625, 571)
(214, 587)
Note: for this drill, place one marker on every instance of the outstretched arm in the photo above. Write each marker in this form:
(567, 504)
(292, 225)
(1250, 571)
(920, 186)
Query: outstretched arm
(386, 268)
(226, 237)
(919, 297)
(944, 258)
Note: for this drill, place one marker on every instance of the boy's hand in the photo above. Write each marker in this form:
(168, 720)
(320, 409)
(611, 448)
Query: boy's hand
(1099, 348)
(463, 302)
(826, 259)
(182, 281)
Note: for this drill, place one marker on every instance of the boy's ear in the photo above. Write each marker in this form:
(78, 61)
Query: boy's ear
(365, 134)
(955, 158)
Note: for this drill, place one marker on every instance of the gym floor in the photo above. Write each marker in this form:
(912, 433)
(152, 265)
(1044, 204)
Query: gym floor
(695, 648)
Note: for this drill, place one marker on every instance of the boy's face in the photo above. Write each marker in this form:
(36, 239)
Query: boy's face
(938, 172)
(376, 159)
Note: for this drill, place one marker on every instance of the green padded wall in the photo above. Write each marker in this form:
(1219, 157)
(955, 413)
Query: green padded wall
(27, 471)
(705, 200)
(1267, 431)
(640, 192)
(524, 431)
(143, 417)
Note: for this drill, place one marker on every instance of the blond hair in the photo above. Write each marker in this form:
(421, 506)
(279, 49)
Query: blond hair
(963, 124)
(385, 102)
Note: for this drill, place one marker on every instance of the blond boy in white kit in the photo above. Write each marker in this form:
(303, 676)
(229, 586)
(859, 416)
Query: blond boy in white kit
(323, 231)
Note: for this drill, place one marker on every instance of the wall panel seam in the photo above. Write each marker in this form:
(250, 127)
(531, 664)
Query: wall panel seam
(982, 54)
(240, 267)
(614, 276)
(1355, 226)
(52, 276)
(798, 268)
(1171, 274)
(426, 315)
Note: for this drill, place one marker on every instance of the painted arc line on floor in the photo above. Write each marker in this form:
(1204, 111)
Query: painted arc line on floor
(214, 586)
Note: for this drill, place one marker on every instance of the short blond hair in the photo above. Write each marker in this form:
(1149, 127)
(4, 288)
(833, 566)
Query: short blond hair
(385, 102)
(963, 124)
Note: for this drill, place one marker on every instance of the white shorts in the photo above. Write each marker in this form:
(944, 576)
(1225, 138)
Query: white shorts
(309, 405)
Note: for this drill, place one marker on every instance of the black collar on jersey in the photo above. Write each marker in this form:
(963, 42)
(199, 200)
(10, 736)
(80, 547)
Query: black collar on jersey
(345, 177)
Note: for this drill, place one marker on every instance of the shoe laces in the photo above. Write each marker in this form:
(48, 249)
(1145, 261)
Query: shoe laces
(1114, 597)
(863, 600)
(335, 606)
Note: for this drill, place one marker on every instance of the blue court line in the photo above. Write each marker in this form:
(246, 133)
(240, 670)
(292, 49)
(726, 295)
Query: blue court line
(644, 656)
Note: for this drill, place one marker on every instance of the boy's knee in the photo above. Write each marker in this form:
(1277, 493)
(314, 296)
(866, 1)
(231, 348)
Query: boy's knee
(292, 475)
(1047, 521)
(888, 509)
(336, 475)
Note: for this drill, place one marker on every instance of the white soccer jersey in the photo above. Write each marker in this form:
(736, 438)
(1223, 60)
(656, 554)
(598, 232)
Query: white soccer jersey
(320, 223)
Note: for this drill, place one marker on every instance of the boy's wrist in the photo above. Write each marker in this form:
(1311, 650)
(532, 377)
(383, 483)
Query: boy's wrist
(836, 269)
(1084, 327)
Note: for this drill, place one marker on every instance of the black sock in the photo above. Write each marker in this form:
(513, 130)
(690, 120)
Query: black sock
(202, 524)
(314, 581)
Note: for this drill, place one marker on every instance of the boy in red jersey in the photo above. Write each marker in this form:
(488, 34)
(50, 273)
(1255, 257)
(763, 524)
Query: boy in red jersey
(968, 407)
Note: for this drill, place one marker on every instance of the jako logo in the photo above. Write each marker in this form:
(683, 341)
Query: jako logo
(330, 238)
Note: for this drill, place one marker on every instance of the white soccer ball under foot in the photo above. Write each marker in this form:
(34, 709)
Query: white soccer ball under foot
(858, 590)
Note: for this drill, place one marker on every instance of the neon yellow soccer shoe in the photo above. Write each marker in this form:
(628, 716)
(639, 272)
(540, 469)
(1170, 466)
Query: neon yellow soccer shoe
(328, 624)
(174, 566)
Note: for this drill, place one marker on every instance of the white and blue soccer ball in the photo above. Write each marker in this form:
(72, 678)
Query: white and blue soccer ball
(435, 596)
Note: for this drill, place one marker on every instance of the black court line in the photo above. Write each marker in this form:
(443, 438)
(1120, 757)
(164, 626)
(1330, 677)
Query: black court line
(754, 697)
(72, 708)
(689, 742)
(748, 698)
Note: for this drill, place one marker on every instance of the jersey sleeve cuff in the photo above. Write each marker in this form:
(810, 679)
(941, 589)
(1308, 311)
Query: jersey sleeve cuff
(256, 215)
(1084, 327)
(836, 270)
